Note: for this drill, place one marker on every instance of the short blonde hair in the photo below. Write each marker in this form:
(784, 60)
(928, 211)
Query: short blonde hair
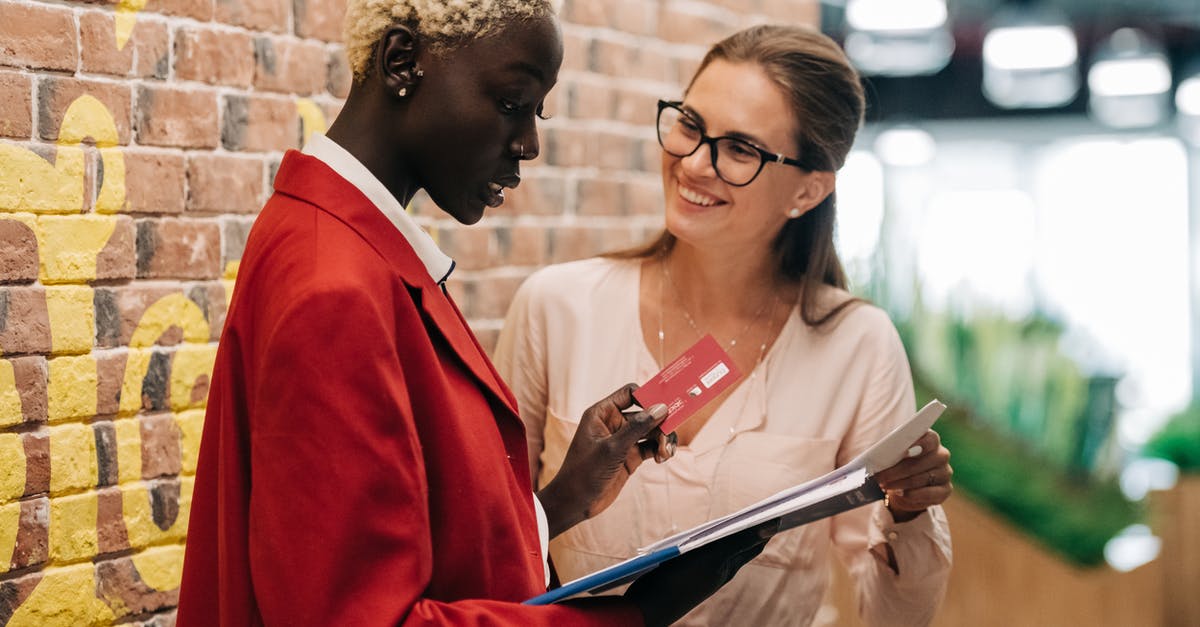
(444, 22)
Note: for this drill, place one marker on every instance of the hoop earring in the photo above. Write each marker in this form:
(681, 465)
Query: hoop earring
(794, 213)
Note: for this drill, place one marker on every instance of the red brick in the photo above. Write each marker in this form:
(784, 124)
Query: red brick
(37, 461)
(339, 77)
(618, 152)
(38, 36)
(31, 375)
(152, 49)
(154, 181)
(536, 195)
(602, 197)
(111, 534)
(221, 57)
(636, 17)
(488, 337)
(568, 243)
(98, 45)
(570, 147)
(120, 309)
(590, 101)
(33, 534)
(210, 298)
(268, 15)
(224, 183)
(793, 11)
(160, 446)
(200, 9)
(119, 585)
(18, 252)
(695, 24)
(490, 297)
(233, 238)
(576, 51)
(178, 248)
(260, 124)
(183, 118)
(473, 248)
(645, 196)
(110, 376)
(635, 107)
(523, 245)
(290, 66)
(16, 105)
(56, 94)
(118, 258)
(24, 321)
(586, 12)
(319, 19)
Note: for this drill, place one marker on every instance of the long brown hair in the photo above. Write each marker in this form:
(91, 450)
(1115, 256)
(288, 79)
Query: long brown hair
(827, 101)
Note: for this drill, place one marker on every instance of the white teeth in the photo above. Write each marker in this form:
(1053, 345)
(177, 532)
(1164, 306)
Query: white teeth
(696, 198)
(495, 187)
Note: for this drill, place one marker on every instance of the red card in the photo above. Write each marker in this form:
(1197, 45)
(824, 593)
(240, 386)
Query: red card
(690, 382)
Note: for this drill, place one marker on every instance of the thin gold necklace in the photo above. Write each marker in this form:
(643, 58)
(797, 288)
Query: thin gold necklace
(762, 349)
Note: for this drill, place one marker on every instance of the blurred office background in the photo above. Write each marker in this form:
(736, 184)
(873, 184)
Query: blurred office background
(1025, 201)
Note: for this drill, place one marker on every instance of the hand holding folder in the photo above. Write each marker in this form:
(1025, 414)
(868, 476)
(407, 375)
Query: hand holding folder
(845, 488)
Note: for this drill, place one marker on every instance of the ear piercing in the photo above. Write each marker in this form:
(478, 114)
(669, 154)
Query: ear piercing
(403, 92)
(794, 212)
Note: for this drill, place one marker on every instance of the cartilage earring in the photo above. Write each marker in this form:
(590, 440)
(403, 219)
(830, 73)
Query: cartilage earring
(403, 92)
(794, 212)
(420, 72)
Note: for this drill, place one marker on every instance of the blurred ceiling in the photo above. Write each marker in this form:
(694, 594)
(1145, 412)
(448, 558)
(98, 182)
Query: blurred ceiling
(955, 92)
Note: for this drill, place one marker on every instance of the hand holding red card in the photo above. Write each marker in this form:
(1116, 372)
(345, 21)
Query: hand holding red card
(689, 382)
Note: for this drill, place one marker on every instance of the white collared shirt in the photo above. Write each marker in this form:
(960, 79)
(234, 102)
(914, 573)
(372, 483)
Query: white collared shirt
(438, 263)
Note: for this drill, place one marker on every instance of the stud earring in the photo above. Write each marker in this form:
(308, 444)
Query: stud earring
(794, 212)
(420, 72)
(403, 92)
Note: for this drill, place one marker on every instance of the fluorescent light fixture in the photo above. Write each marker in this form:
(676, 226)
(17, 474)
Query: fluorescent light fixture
(1129, 81)
(1187, 96)
(905, 146)
(1030, 64)
(896, 15)
(1187, 106)
(1148, 76)
(898, 38)
(1043, 47)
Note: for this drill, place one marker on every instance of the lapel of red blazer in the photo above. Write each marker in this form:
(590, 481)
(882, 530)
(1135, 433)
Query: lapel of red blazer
(309, 179)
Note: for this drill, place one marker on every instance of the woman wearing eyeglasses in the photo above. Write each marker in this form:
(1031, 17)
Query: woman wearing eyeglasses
(748, 168)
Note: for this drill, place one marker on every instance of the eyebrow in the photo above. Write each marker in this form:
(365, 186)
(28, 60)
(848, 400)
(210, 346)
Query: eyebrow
(528, 68)
(746, 137)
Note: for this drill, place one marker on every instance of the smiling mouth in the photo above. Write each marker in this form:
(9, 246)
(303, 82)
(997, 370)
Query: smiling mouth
(697, 198)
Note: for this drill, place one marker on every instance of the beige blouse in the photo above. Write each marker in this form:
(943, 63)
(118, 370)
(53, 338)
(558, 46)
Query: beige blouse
(573, 335)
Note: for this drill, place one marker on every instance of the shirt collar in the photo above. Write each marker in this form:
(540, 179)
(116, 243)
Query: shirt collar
(438, 263)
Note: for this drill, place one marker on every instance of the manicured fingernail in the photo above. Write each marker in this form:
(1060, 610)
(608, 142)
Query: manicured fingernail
(914, 451)
(658, 411)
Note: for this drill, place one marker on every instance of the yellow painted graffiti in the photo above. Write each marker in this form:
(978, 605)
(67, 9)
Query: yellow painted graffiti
(312, 118)
(126, 19)
(65, 596)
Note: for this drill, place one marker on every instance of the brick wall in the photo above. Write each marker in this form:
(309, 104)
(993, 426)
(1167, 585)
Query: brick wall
(137, 141)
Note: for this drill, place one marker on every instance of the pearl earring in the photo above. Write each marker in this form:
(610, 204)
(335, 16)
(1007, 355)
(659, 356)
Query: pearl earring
(403, 92)
(794, 212)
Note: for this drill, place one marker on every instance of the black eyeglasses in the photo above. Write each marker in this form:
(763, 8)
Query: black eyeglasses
(736, 161)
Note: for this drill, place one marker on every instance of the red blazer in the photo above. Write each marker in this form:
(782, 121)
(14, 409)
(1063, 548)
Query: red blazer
(362, 463)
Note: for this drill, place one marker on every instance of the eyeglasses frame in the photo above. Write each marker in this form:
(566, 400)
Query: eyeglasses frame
(765, 156)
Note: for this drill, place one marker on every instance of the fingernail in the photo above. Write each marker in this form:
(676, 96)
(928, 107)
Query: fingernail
(671, 447)
(658, 411)
(914, 451)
